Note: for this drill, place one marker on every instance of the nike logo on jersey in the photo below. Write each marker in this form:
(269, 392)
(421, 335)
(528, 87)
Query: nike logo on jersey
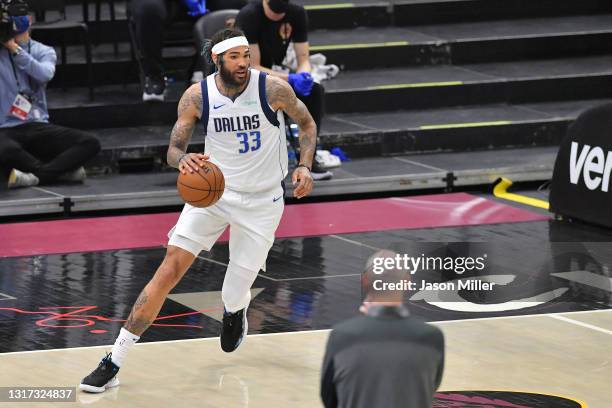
(218, 106)
(276, 199)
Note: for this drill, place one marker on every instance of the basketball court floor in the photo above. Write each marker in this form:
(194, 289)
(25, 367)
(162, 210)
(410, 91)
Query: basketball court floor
(540, 339)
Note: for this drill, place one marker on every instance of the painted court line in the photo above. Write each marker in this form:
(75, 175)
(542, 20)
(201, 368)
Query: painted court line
(521, 316)
(350, 122)
(427, 166)
(465, 125)
(211, 260)
(582, 324)
(310, 277)
(555, 315)
(4, 296)
(355, 242)
(48, 192)
(307, 277)
(163, 342)
(414, 85)
(280, 280)
(328, 6)
(359, 45)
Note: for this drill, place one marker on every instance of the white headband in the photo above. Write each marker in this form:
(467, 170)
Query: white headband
(229, 43)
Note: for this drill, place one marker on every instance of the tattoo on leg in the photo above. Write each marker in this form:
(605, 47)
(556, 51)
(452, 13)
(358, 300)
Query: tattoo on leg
(137, 325)
(142, 299)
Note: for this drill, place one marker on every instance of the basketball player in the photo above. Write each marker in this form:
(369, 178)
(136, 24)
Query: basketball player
(241, 111)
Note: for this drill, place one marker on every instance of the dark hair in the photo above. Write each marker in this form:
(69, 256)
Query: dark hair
(9, 9)
(219, 36)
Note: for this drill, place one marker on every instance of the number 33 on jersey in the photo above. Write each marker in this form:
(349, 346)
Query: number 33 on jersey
(245, 137)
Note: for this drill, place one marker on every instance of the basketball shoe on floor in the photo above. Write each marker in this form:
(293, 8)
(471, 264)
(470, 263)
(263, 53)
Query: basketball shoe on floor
(319, 173)
(103, 377)
(235, 327)
(154, 89)
(20, 179)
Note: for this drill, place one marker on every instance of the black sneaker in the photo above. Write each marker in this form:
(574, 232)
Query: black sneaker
(103, 377)
(235, 327)
(154, 89)
(320, 173)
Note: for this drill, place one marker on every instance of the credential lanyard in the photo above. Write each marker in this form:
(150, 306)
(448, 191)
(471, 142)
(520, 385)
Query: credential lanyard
(15, 70)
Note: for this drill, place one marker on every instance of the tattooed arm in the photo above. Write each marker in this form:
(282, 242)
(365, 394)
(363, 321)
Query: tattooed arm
(189, 111)
(280, 95)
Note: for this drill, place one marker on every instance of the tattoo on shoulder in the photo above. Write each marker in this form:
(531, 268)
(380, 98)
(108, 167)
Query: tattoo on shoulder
(196, 98)
(278, 91)
(191, 97)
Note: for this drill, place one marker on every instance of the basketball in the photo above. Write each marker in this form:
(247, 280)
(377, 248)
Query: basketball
(201, 188)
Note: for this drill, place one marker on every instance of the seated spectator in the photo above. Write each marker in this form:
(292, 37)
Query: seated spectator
(150, 18)
(384, 358)
(270, 25)
(32, 150)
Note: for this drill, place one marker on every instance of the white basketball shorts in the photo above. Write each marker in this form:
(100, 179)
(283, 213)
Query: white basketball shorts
(252, 218)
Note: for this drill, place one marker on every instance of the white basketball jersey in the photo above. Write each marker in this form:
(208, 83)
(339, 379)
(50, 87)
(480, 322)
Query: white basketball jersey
(245, 137)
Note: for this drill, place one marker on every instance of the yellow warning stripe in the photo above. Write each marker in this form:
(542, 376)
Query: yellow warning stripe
(352, 46)
(329, 6)
(415, 85)
(465, 125)
(501, 191)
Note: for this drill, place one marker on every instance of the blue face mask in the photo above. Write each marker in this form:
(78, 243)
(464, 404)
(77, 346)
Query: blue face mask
(22, 23)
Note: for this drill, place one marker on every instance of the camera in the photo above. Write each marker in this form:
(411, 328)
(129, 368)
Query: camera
(9, 9)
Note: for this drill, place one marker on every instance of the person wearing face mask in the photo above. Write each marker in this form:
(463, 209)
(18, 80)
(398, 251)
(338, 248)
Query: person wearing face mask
(270, 25)
(32, 150)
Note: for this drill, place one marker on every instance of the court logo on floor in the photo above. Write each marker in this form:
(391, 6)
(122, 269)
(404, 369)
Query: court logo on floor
(502, 399)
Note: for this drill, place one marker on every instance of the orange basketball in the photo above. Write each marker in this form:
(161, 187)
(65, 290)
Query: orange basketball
(201, 188)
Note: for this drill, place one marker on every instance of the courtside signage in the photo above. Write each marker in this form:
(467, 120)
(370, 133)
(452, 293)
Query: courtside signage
(580, 187)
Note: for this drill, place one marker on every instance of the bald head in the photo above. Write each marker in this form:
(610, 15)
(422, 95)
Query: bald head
(383, 267)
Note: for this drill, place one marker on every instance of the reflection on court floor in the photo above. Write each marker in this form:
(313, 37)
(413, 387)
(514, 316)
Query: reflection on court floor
(557, 354)
(545, 323)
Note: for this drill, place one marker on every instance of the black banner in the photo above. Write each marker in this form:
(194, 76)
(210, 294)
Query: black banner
(581, 180)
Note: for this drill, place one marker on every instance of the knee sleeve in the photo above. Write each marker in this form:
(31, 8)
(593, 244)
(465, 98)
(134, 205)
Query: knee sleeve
(236, 291)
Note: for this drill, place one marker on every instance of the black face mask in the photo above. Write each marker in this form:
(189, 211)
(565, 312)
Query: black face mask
(278, 6)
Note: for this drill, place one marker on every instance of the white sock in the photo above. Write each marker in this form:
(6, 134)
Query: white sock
(122, 345)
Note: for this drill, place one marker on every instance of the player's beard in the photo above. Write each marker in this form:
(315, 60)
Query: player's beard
(228, 79)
